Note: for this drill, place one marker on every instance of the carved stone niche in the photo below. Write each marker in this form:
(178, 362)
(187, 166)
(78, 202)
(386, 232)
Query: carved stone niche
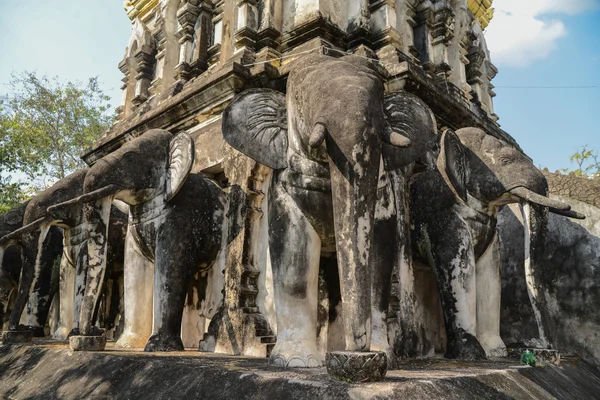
(239, 327)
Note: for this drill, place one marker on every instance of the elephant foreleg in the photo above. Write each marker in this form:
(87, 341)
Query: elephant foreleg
(66, 295)
(454, 259)
(138, 284)
(172, 273)
(295, 249)
(41, 292)
(489, 287)
(30, 252)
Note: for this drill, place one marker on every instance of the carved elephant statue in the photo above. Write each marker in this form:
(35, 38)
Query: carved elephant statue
(396, 328)
(40, 251)
(73, 262)
(10, 265)
(176, 221)
(454, 209)
(323, 141)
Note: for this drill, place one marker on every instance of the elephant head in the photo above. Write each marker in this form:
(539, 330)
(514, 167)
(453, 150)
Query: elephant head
(325, 136)
(477, 166)
(145, 173)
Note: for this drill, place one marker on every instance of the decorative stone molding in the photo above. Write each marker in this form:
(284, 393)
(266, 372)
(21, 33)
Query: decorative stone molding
(187, 15)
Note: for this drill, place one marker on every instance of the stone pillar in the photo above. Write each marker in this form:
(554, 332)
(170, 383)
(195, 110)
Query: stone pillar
(124, 109)
(441, 36)
(187, 15)
(384, 23)
(145, 60)
(217, 34)
(271, 24)
(202, 37)
(246, 26)
(358, 21)
(161, 42)
(424, 18)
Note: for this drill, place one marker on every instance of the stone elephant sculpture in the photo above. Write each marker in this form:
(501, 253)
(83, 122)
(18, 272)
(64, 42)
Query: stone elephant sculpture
(176, 227)
(323, 141)
(73, 264)
(39, 251)
(10, 265)
(453, 215)
(396, 328)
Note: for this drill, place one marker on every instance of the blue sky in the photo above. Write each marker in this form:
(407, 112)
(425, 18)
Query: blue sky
(533, 43)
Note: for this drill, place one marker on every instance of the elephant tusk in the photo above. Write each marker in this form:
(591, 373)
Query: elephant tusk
(318, 135)
(569, 214)
(533, 197)
(394, 138)
(86, 198)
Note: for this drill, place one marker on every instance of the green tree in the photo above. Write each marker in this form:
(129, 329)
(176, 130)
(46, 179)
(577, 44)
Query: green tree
(45, 124)
(587, 161)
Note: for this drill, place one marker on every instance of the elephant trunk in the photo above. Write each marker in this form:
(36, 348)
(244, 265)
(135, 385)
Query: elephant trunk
(97, 215)
(354, 175)
(90, 197)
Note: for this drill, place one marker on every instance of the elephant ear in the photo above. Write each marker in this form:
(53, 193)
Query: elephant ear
(409, 116)
(255, 123)
(181, 159)
(452, 164)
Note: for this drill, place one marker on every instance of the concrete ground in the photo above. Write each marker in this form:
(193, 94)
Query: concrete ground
(47, 370)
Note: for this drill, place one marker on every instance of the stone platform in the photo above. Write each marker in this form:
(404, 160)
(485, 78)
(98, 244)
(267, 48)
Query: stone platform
(46, 370)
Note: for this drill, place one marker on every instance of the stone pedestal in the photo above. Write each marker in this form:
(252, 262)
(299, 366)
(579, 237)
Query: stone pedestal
(543, 357)
(11, 337)
(87, 343)
(353, 366)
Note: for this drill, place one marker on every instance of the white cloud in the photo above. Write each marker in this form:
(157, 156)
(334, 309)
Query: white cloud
(524, 31)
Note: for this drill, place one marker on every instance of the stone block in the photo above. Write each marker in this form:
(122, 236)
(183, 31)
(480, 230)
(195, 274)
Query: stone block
(13, 337)
(354, 366)
(87, 343)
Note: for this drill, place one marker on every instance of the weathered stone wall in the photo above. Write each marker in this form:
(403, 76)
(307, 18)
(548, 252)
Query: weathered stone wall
(570, 276)
(579, 188)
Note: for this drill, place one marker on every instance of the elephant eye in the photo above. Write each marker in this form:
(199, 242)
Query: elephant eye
(505, 160)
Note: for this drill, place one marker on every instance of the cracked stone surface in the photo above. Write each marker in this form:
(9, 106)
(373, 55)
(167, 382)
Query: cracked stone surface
(352, 366)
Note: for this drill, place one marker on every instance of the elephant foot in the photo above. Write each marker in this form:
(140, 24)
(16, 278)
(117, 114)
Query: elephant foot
(16, 336)
(465, 347)
(61, 333)
(355, 366)
(493, 345)
(87, 343)
(130, 340)
(296, 354)
(164, 343)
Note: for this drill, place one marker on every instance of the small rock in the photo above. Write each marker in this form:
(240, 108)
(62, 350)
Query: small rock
(87, 343)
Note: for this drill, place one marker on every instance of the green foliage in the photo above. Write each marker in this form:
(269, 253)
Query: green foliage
(45, 124)
(587, 162)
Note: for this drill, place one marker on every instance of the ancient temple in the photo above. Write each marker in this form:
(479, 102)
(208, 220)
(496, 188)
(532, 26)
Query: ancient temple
(325, 183)
(186, 60)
